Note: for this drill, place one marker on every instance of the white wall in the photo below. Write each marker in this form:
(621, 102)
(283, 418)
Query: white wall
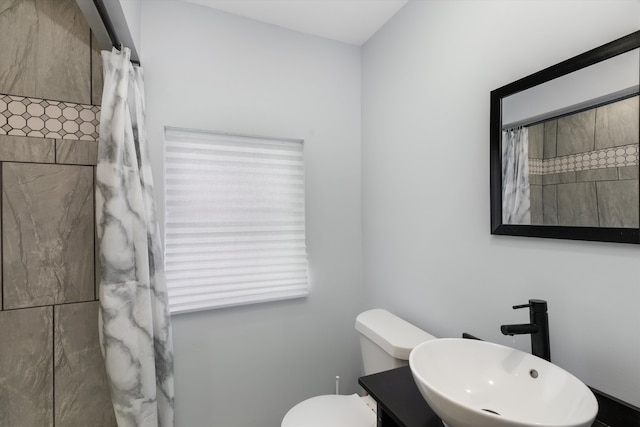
(132, 10)
(428, 253)
(204, 69)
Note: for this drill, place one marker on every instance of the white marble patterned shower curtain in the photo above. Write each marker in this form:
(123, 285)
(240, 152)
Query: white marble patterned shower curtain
(135, 326)
(516, 201)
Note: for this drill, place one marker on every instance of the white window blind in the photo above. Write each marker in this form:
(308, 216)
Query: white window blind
(234, 219)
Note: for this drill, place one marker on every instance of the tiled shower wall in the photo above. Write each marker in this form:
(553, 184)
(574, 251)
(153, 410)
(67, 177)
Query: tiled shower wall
(583, 168)
(51, 369)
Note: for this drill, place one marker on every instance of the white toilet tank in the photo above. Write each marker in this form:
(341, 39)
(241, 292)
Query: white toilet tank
(386, 340)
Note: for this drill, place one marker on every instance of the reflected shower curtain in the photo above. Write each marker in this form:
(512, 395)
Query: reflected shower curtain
(134, 322)
(516, 200)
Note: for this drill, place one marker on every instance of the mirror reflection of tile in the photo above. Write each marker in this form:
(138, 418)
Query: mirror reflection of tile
(583, 168)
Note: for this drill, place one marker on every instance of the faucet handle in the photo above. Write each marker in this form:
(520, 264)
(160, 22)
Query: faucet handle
(537, 305)
(515, 307)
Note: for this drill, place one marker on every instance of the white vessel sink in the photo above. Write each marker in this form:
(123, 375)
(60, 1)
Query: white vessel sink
(471, 383)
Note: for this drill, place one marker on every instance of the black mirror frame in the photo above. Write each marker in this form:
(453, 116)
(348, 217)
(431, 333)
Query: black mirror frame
(602, 234)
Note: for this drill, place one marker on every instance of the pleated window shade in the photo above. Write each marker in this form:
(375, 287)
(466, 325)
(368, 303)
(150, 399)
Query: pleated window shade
(234, 220)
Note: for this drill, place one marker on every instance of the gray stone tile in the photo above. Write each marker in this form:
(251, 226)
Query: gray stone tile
(550, 139)
(606, 174)
(45, 50)
(536, 141)
(535, 195)
(81, 387)
(617, 124)
(628, 172)
(535, 179)
(577, 204)
(550, 204)
(25, 149)
(618, 203)
(48, 234)
(73, 152)
(26, 369)
(559, 178)
(550, 179)
(18, 29)
(576, 133)
(96, 72)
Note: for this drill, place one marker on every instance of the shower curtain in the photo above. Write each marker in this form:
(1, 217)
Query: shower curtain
(134, 322)
(516, 200)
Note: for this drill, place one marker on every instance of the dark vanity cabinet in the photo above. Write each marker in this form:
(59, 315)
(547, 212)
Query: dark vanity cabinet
(400, 404)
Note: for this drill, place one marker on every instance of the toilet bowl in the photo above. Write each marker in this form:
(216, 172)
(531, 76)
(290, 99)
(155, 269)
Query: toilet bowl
(386, 341)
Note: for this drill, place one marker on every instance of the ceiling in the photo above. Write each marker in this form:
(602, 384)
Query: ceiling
(347, 21)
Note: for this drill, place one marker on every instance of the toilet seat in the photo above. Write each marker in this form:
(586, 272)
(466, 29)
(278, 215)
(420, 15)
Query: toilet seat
(331, 410)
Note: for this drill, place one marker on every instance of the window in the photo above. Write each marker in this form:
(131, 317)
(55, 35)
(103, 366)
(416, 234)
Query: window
(234, 219)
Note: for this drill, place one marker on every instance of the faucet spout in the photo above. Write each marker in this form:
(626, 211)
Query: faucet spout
(527, 328)
(538, 328)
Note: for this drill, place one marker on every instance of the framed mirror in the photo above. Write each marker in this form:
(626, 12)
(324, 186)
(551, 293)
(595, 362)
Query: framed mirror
(564, 148)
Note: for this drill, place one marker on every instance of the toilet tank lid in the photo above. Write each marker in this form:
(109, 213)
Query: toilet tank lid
(395, 335)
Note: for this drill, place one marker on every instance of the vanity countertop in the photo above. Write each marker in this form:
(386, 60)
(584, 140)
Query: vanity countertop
(400, 404)
(399, 401)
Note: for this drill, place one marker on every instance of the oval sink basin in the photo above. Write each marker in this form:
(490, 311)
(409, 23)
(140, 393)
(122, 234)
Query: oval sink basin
(471, 383)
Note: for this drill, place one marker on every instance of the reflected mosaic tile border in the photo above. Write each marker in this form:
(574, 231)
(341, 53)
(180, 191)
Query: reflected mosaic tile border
(34, 117)
(626, 155)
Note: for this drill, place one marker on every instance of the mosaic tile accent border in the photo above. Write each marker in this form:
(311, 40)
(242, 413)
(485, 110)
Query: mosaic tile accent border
(626, 155)
(34, 117)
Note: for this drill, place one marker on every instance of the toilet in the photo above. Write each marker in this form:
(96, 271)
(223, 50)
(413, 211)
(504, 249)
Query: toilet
(385, 341)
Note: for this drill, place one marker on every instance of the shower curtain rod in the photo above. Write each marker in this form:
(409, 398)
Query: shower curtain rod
(620, 95)
(108, 25)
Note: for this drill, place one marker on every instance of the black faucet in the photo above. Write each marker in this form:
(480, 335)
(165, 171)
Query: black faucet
(538, 328)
